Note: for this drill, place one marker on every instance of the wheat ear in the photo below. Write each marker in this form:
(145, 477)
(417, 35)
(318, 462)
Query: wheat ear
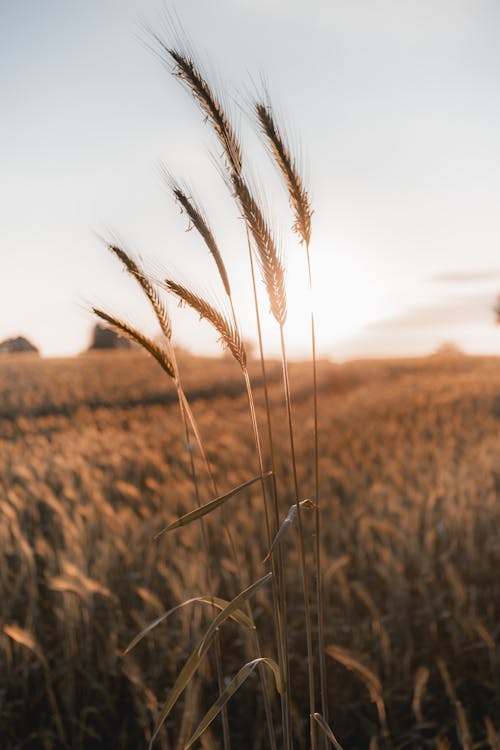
(300, 203)
(156, 351)
(200, 223)
(188, 72)
(254, 221)
(229, 334)
(151, 293)
(299, 198)
(268, 257)
(270, 263)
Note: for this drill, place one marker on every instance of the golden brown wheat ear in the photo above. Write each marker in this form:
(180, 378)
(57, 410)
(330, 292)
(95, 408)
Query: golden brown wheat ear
(299, 198)
(200, 223)
(229, 334)
(156, 351)
(189, 73)
(151, 293)
(268, 257)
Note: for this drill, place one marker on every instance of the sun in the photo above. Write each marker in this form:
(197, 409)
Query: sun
(345, 299)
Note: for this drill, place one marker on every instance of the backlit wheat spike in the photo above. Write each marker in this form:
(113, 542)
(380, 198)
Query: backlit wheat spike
(299, 198)
(229, 334)
(188, 72)
(369, 677)
(268, 257)
(156, 351)
(159, 308)
(271, 266)
(200, 223)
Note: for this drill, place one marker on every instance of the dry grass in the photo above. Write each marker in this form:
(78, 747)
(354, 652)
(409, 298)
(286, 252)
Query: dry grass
(94, 463)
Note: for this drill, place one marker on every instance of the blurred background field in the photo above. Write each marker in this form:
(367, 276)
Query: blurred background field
(94, 462)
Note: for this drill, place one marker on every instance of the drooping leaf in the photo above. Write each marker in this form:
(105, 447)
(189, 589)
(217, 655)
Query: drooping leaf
(230, 690)
(199, 652)
(215, 601)
(232, 607)
(193, 515)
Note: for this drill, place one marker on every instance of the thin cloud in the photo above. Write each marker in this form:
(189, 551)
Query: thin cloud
(458, 311)
(466, 277)
(467, 320)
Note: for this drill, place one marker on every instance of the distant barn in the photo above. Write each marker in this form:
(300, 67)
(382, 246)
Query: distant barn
(105, 338)
(17, 345)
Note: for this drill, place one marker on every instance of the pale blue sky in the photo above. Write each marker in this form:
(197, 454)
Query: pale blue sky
(397, 109)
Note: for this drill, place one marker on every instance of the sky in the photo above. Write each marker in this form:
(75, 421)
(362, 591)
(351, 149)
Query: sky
(393, 105)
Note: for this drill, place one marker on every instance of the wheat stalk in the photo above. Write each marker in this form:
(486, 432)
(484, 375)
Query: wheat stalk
(170, 365)
(300, 203)
(279, 598)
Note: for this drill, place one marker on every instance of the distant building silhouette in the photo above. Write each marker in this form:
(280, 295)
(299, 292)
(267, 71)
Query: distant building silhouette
(107, 338)
(17, 345)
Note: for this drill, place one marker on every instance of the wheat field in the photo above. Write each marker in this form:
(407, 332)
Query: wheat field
(95, 462)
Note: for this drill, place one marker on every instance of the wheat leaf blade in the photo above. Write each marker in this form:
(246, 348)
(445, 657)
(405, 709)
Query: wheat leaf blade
(204, 510)
(230, 690)
(233, 605)
(197, 655)
(214, 601)
(180, 684)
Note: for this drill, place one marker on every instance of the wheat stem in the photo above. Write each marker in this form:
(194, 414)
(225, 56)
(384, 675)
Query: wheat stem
(206, 547)
(286, 713)
(305, 585)
(299, 200)
(317, 513)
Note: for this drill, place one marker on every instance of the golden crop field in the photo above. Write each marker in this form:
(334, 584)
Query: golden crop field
(94, 462)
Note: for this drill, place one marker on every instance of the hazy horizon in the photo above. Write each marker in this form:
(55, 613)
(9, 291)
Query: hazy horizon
(396, 110)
